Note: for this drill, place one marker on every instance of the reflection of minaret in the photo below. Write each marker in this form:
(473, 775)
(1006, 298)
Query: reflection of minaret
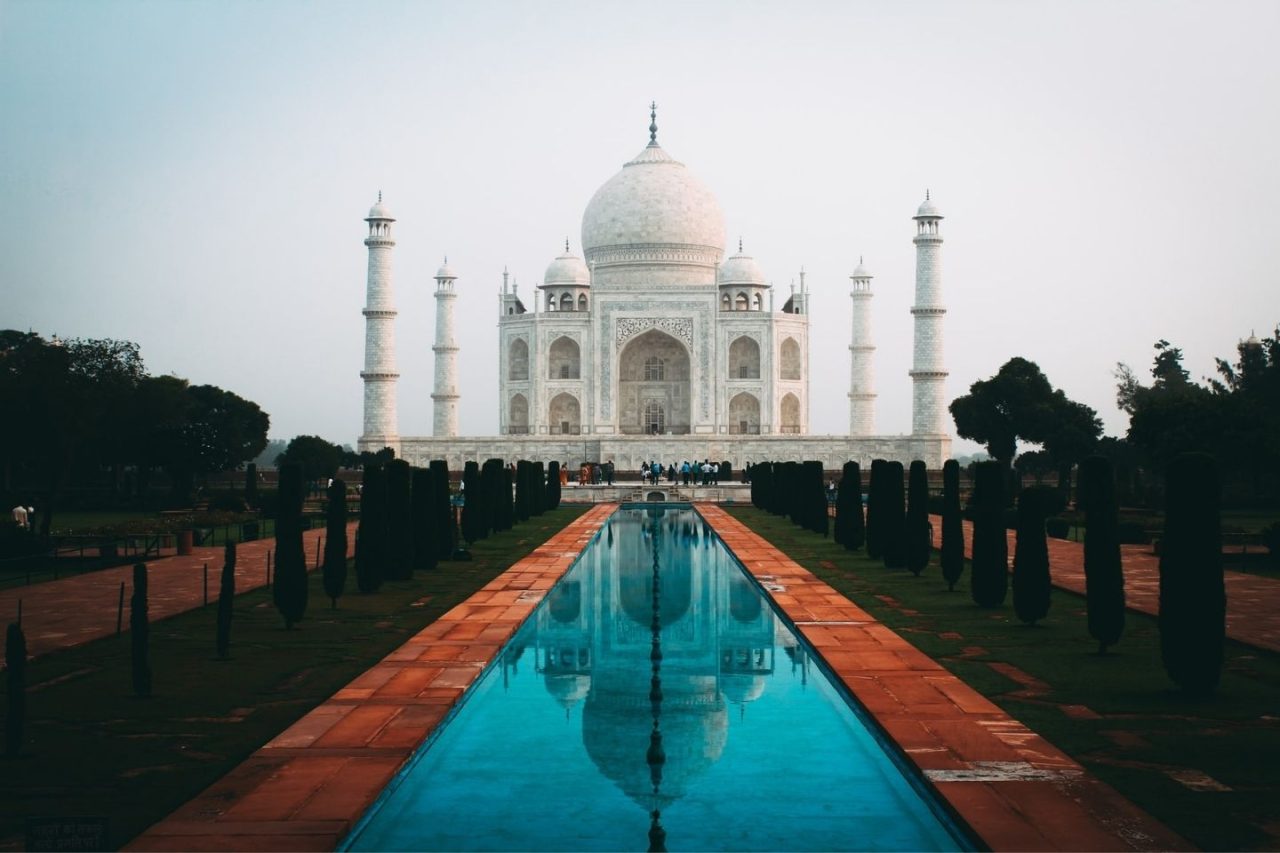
(655, 757)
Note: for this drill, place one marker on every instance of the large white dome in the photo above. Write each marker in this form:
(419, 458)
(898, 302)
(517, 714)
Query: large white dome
(653, 208)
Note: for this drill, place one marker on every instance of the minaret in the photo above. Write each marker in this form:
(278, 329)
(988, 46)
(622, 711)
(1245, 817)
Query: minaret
(928, 406)
(379, 372)
(862, 394)
(445, 395)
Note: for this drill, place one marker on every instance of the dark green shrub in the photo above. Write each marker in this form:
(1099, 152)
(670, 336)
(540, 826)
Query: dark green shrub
(919, 530)
(1271, 538)
(1031, 583)
(140, 633)
(850, 530)
(15, 662)
(399, 566)
(893, 516)
(442, 509)
(1193, 600)
(553, 486)
(226, 599)
(473, 506)
(227, 502)
(335, 542)
(491, 483)
(371, 535)
(1103, 571)
(523, 484)
(1048, 498)
(251, 484)
(289, 587)
(952, 527)
(989, 578)
(506, 506)
(1131, 533)
(422, 495)
(537, 489)
(815, 498)
(1058, 528)
(935, 504)
(875, 519)
(726, 472)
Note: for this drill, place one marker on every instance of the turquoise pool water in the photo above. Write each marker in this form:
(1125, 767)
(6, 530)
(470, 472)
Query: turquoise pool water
(654, 701)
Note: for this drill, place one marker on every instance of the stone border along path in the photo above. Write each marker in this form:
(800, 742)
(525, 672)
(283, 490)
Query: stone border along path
(77, 609)
(1253, 614)
(309, 786)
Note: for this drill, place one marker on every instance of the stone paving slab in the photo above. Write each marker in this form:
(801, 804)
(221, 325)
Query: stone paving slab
(1012, 788)
(81, 608)
(308, 787)
(1253, 601)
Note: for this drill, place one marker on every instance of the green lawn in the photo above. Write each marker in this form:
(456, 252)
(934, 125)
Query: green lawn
(92, 748)
(1135, 732)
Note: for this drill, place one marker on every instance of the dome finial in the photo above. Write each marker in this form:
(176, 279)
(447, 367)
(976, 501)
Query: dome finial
(926, 194)
(653, 122)
(566, 245)
(739, 245)
(379, 196)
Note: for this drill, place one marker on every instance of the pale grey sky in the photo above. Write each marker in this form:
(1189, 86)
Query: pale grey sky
(193, 176)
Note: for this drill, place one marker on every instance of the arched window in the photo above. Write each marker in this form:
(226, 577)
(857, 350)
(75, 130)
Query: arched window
(582, 302)
(725, 303)
(740, 304)
(518, 416)
(551, 302)
(564, 359)
(655, 369)
(790, 414)
(744, 414)
(518, 360)
(755, 303)
(566, 302)
(744, 359)
(564, 415)
(790, 365)
(655, 418)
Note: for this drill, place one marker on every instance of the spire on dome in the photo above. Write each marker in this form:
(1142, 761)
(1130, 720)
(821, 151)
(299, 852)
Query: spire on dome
(566, 245)
(739, 245)
(653, 122)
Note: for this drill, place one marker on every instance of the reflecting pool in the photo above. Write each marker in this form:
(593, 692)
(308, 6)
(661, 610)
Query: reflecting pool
(654, 701)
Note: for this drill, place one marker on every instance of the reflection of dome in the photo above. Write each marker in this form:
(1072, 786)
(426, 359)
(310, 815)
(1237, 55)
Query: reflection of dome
(616, 723)
(654, 203)
(740, 688)
(636, 591)
(567, 689)
(566, 602)
(744, 601)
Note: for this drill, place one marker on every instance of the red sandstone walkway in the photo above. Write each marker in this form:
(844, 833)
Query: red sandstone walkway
(1253, 602)
(80, 608)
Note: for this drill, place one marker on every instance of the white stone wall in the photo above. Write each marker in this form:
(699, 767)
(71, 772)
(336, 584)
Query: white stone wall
(379, 372)
(928, 373)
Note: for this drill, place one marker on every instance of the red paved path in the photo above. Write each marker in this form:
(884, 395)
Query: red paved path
(76, 609)
(1253, 602)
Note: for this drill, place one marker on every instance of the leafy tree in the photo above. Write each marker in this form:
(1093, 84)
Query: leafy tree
(318, 458)
(226, 599)
(399, 565)
(1103, 569)
(1018, 403)
(1031, 583)
(952, 526)
(1193, 597)
(15, 661)
(989, 577)
(372, 535)
(140, 633)
(335, 542)
(289, 591)
(850, 530)
(919, 531)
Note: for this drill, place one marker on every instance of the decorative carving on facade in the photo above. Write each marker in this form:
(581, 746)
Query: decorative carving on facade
(680, 328)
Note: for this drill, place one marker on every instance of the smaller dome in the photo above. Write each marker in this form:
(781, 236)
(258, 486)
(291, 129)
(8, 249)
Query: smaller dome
(445, 270)
(927, 209)
(741, 269)
(567, 270)
(380, 211)
(861, 271)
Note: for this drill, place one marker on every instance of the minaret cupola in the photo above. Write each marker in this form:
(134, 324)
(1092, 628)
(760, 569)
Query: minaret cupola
(742, 283)
(566, 286)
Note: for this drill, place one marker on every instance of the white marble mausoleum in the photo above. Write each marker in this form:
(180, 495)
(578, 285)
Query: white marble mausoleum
(652, 345)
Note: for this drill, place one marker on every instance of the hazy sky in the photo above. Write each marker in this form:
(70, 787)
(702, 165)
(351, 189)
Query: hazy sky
(193, 176)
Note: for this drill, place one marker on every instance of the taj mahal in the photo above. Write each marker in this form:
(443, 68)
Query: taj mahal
(652, 345)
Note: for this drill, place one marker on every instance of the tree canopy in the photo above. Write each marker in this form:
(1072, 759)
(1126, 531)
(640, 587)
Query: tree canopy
(318, 457)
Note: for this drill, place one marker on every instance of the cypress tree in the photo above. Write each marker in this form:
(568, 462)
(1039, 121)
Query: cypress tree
(989, 578)
(226, 600)
(491, 482)
(875, 528)
(952, 526)
(893, 513)
(521, 509)
(1193, 600)
(506, 508)
(1103, 571)
(789, 491)
(15, 661)
(442, 509)
(335, 543)
(140, 633)
(289, 589)
(919, 531)
(553, 486)
(421, 497)
(538, 492)
(815, 498)
(726, 472)
(849, 529)
(371, 535)
(399, 565)
(1031, 583)
(473, 505)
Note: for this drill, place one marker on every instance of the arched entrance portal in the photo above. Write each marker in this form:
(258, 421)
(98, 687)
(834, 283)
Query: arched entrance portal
(653, 385)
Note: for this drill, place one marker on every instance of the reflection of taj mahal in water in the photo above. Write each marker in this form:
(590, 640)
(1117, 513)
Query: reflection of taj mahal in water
(653, 345)
(704, 634)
